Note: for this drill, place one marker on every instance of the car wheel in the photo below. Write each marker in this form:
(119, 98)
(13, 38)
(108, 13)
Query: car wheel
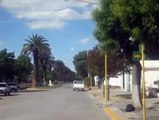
(5, 93)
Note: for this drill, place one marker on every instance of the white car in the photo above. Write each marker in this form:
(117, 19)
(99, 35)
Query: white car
(78, 85)
(4, 88)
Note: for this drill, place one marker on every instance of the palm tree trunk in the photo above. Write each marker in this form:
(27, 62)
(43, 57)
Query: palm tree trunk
(36, 68)
(33, 80)
(136, 84)
(45, 77)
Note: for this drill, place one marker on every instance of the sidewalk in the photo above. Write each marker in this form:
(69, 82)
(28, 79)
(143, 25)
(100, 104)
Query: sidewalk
(115, 108)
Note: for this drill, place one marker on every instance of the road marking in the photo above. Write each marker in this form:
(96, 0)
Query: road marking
(111, 114)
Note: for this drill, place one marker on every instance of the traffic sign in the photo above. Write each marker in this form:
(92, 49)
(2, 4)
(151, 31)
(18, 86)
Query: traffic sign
(137, 55)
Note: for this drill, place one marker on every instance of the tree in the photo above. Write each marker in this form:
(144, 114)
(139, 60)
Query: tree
(129, 23)
(6, 66)
(47, 63)
(95, 61)
(59, 66)
(36, 45)
(22, 68)
(79, 62)
(62, 72)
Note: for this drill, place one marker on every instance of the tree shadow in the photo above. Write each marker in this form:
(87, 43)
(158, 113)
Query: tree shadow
(156, 103)
(154, 106)
(11, 94)
(25, 91)
(125, 96)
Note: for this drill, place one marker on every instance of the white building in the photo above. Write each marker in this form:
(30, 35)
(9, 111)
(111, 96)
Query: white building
(151, 75)
(96, 79)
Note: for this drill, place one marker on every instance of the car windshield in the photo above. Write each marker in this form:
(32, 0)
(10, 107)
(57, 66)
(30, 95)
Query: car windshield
(12, 84)
(2, 85)
(78, 82)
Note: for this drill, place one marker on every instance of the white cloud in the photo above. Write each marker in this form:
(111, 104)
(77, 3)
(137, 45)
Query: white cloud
(84, 41)
(72, 49)
(54, 14)
(46, 24)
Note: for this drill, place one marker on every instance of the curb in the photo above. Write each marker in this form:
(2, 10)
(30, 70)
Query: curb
(111, 114)
(107, 110)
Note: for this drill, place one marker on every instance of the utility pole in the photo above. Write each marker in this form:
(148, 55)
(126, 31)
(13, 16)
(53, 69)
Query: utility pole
(143, 83)
(106, 79)
(89, 76)
(106, 64)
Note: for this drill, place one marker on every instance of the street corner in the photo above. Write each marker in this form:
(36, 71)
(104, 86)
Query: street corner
(111, 113)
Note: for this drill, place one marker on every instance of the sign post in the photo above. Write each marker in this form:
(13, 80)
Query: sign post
(137, 55)
(143, 84)
(106, 79)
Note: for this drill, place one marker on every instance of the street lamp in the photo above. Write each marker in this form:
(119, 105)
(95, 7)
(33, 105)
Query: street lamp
(89, 76)
(106, 62)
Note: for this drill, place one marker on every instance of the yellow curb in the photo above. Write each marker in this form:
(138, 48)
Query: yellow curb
(111, 114)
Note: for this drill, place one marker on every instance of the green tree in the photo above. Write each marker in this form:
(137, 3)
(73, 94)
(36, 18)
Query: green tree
(129, 23)
(80, 64)
(37, 45)
(6, 66)
(62, 73)
(23, 68)
(47, 63)
(59, 66)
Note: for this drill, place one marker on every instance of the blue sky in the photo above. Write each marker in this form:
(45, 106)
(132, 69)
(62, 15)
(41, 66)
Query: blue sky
(67, 25)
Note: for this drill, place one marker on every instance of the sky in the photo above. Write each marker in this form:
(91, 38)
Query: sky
(66, 24)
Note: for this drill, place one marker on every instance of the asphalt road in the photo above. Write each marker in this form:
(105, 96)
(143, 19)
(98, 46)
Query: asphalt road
(57, 104)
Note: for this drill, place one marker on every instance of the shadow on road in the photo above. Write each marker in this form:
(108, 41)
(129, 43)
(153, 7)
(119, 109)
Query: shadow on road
(125, 96)
(12, 94)
(22, 91)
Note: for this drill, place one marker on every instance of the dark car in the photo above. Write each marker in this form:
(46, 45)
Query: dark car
(13, 86)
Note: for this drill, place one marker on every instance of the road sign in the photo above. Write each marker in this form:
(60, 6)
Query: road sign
(137, 55)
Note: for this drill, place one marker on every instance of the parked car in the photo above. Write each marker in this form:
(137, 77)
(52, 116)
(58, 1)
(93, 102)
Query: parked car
(78, 85)
(13, 86)
(4, 88)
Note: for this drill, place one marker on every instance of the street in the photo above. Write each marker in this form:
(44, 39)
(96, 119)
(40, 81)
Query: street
(57, 104)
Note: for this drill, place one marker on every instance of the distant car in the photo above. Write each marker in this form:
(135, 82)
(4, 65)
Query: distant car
(13, 86)
(78, 85)
(4, 88)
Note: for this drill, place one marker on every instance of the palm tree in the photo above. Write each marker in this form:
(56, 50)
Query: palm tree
(47, 63)
(36, 45)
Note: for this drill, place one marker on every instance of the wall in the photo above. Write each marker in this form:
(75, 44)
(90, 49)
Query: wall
(151, 75)
(151, 72)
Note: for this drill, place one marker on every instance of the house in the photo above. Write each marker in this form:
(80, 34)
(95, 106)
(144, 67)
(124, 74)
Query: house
(124, 81)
